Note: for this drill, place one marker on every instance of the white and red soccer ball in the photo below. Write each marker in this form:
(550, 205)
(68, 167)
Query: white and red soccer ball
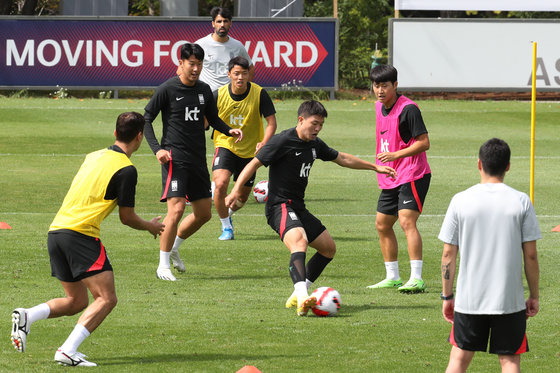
(328, 301)
(260, 191)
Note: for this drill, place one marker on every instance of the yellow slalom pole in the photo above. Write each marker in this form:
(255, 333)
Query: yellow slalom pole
(533, 100)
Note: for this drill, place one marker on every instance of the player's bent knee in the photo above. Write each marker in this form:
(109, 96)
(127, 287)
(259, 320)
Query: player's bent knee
(77, 306)
(176, 213)
(203, 217)
(111, 302)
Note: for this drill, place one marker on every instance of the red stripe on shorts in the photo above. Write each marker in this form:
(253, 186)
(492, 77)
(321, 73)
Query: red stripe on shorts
(168, 181)
(283, 220)
(452, 336)
(215, 154)
(415, 194)
(98, 265)
(523, 347)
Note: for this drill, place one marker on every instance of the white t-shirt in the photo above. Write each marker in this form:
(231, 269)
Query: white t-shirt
(216, 59)
(489, 222)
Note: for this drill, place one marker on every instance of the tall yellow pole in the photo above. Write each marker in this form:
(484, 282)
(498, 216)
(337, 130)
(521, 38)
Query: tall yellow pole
(533, 100)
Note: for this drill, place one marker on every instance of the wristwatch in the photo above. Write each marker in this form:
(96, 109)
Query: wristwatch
(446, 297)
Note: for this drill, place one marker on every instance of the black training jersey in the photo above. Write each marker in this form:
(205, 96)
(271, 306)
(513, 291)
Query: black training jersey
(411, 123)
(290, 160)
(183, 109)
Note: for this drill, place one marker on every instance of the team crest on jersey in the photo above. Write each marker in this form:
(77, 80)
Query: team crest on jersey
(201, 98)
(314, 153)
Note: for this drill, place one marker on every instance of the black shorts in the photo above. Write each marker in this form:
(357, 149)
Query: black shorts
(283, 217)
(225, 159)
(75, 256)
(180, 179)
(507, 333)
(409, 196)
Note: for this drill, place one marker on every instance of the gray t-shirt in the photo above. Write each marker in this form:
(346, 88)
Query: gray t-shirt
(489, 222)
(216, 59)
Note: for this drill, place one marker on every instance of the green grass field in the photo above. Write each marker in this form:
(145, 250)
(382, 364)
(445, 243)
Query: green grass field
(227, 310)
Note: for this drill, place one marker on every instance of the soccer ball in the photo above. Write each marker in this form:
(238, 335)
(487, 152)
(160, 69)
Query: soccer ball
(260, 191)
(328, 301)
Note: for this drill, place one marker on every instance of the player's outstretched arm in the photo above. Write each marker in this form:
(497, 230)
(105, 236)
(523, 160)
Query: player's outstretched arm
(448, 268)
(531, 265)
(351, 161)
(129, 217)
(244, 176)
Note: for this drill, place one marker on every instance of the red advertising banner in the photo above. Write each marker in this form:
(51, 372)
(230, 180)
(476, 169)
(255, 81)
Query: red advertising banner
(139, 52)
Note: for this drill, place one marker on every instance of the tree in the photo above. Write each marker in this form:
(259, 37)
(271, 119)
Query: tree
(362, 25)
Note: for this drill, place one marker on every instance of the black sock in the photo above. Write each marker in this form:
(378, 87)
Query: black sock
(316, 265)
(297, 267)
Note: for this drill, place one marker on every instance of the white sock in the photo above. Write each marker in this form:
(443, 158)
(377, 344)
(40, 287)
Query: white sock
(308, 283)
(230, 212)
(164, 259)
(39, 312)
(392, 269)
(177, 243)
(226, 223)
(416, 269)
(300, 289)
(75, 339)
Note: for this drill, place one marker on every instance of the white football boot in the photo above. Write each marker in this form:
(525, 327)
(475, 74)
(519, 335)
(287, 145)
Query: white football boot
(177, 262)
(77, 359)
(165, 274)
(20, 329)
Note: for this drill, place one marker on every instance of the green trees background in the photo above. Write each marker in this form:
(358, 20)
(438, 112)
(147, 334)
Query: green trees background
(363, 25)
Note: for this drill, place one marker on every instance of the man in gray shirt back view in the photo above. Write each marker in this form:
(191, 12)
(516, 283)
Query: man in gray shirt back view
(494, 228)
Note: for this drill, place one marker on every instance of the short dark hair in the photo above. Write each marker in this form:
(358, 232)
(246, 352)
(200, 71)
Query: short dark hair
(190, 49)
(238, 61)
(311, 107)
(494, 155)
(217, 11)
(129, 125)
(383, 73)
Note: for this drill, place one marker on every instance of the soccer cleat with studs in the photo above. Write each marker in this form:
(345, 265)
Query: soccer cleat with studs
(413, 285)
(386, 284)
(165, 274)
(227, 234)
(20, 329)
(306, 305)
(292, 301)
(177, 262)
(76, 359)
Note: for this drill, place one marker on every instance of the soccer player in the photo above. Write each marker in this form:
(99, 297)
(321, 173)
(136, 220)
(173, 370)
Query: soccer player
(241, 104)
(402, 141)
(184, 102)
(219, 48)
(290, 156)
(494, 228)
(78, 259)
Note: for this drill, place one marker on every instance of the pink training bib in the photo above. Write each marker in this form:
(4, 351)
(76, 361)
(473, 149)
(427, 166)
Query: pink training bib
(389, 140)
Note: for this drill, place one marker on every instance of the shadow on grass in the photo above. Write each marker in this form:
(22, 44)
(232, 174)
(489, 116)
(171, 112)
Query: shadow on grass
(348, 310)
(185, 357)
